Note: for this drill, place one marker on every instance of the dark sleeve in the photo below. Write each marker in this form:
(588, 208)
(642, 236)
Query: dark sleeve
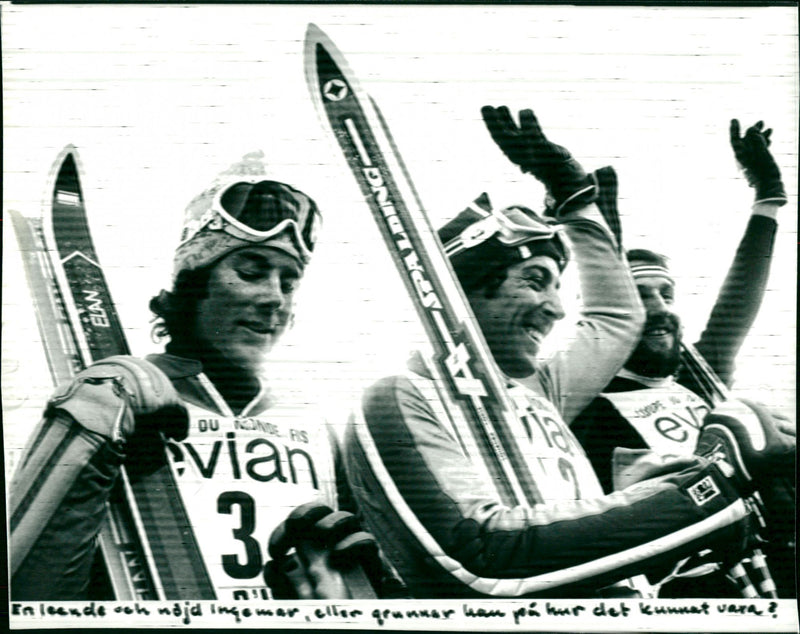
(384, 578)
(739, 300)
(448, 535)
(57, 502)
(600, 428)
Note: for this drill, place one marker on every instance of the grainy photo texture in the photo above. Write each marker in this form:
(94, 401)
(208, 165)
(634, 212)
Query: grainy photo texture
(431, 317)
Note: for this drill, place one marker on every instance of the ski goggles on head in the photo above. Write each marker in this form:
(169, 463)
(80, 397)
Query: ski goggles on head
(480, 242)
(512, 227)
(256, 211)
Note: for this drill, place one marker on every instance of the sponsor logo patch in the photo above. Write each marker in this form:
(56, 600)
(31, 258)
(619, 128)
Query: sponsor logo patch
(703, 491)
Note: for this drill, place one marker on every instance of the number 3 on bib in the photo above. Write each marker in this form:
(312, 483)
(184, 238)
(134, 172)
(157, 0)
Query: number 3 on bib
(244, 533)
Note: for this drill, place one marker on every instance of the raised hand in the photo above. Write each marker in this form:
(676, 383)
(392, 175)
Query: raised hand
(760, 169)
(526, 146)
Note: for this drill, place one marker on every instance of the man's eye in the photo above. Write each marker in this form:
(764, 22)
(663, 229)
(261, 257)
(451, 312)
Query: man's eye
(646, 292)
(248, 274)
(535, 283)
(289, 286)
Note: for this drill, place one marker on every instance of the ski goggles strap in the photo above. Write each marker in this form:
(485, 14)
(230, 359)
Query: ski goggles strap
(255, 211)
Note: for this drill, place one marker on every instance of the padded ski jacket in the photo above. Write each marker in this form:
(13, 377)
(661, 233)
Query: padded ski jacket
(207, 504)
(445, 529)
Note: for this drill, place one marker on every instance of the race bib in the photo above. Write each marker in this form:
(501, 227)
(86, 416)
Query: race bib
(668, 418)
(556, 459)
(239, 477)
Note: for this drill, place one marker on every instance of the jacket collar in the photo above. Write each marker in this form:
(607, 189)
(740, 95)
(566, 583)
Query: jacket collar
(176, 367)
(646, 380)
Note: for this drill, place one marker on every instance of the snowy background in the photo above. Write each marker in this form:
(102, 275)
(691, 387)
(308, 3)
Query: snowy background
(159, 99)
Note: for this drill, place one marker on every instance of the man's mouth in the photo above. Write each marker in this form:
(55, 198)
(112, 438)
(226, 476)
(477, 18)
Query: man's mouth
(535, 332)
(534, 335)
(660, 328)
(259, 327)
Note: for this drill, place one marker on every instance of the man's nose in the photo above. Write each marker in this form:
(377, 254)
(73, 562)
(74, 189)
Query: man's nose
(270, 291)
(656, 304)
(553, 305)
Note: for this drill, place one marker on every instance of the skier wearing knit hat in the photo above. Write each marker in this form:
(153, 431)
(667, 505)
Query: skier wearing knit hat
(242, 455)
(660, 399)
(418, 483)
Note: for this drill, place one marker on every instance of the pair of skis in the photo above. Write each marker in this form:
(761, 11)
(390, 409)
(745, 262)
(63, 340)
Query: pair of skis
(79, 325)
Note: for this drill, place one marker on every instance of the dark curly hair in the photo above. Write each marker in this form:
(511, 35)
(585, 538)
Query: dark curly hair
(175, 310)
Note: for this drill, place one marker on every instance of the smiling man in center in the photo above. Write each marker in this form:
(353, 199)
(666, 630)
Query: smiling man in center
(426, 497)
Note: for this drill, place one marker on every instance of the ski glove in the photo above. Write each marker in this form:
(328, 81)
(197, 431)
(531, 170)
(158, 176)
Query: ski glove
(115, 395)
(760, 169)
(526, 146)
(763, 461)
(318, 553)
(745, 436)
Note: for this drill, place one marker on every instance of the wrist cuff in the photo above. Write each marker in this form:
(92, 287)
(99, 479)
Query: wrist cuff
(581, 195)
(777, 201)
(768, 208)
(97, 406)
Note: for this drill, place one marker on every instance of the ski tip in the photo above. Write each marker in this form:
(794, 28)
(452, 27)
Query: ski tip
(316, 36)
(313, 32)
(69, 160)
(321, 54)
(318, 51)
(67, 150)
(66, 173)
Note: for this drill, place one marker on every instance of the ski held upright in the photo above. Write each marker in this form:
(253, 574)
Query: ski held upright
(484, 417)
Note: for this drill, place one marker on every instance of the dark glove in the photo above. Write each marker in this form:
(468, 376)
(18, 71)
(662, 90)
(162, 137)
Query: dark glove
(318, 553)
(745, 436)
(526, 146)
(759, 458)
(760, 169)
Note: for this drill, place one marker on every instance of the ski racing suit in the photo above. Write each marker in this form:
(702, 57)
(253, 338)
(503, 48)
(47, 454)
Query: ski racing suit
(207, 505)
(446, 530)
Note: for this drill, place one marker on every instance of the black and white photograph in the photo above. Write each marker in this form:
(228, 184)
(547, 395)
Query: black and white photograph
(381, 316)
